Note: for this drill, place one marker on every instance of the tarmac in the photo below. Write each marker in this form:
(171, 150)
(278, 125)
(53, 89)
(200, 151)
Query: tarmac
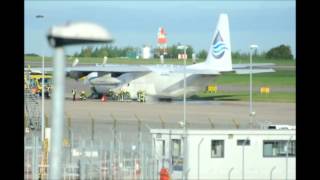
(199, 115)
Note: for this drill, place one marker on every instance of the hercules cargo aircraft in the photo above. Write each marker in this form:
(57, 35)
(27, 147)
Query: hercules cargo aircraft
(167, 81)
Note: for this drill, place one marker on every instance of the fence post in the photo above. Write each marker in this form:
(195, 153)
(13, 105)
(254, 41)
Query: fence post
(92, 127)
(35, 158)
(211, 123)
(27, 154)
(162, 122)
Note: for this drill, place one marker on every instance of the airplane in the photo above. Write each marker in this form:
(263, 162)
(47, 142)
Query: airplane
(164, 81)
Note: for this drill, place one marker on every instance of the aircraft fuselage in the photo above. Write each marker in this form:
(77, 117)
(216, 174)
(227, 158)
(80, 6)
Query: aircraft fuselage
(159, 85)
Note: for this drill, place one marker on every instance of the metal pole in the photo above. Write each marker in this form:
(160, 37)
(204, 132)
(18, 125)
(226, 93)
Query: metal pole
(71, 145)
(28, 163)
(120, 155)
(185, 154)
(34, 158)
(287, 155)
(140, 144)
(57, 115)
(154, 172)
(199, 157)
(273, 168)
(42, 104)
(243, 161)
(110, 161)
(42, 91)
(170, 151)
(250, 108)
(92, 127)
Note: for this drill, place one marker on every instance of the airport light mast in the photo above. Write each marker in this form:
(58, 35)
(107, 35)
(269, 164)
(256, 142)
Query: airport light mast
(58, 37)
(42, 91)
(185, 143)
(251, 112)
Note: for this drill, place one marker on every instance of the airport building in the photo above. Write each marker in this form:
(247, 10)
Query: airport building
(226, 154)
(146, 52)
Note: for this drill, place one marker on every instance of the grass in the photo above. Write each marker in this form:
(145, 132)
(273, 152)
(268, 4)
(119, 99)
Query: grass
(261, 60)
(281, 78)
(156, 61)
(244, 96)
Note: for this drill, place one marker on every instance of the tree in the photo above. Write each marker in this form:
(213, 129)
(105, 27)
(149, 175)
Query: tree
(280, 52)
(31, 54)
(202, 54)
(173, 51)
(189, 51)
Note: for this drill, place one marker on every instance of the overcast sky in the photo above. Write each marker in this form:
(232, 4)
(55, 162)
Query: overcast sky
(135, 23)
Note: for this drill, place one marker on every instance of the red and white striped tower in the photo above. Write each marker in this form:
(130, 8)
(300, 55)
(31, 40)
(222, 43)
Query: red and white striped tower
(162, 41)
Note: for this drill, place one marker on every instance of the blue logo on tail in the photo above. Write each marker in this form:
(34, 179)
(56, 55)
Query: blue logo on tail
(218, 46)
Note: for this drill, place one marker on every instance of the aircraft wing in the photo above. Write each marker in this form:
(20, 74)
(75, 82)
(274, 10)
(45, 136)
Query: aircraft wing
(111, 68)
(254, 71)
(197, 71)
(256, 68)
(254, 65)
(100, 68)
(163, 69)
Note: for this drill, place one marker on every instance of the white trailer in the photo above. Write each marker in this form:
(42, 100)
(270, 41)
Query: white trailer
(227, 154)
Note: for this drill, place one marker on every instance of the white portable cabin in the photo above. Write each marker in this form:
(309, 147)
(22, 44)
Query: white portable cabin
(146, 52)
(224, 154)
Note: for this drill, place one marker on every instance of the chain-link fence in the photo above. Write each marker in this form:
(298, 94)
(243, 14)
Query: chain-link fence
(107, 149)
(112, 154)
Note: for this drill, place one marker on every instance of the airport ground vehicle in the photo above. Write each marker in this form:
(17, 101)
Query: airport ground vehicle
(34, 83)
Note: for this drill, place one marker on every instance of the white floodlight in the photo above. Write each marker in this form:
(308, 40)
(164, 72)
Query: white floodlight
(254, 46)
(58, 37)
(133, 147)
(77, 33)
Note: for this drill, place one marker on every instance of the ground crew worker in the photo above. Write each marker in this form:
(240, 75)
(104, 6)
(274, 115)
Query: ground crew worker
(73, 94)
(83, 95)
(164, 174)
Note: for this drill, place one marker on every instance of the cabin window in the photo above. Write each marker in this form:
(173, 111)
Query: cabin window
(278, 148)
(245, 142)
(176, 143)
(177, 160)
(217, 148)
(160, 147)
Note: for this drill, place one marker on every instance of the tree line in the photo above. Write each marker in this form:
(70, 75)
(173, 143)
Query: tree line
(278, 52)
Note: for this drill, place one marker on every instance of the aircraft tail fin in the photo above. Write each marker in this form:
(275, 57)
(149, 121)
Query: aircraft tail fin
(219, 54)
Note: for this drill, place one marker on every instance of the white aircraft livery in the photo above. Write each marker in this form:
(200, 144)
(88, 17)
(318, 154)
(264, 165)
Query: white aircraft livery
(167, 81)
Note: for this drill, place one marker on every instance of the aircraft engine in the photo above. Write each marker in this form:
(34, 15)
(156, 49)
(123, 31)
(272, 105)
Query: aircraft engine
(76, 75)
(106, 79)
